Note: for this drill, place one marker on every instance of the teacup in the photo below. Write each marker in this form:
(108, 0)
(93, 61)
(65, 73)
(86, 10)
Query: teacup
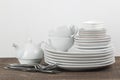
(60, 43)
(63, 31)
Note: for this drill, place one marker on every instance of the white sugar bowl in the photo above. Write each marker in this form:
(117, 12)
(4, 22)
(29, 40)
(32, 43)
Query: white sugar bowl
(30, 53)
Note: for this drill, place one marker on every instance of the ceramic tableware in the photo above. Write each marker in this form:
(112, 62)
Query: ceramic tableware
(63, 31)
(30, 53)
(60, 43)
(91, 49)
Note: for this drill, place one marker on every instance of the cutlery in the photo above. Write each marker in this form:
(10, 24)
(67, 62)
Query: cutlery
(33, 68)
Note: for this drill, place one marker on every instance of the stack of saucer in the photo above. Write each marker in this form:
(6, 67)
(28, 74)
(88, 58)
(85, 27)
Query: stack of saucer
(91, 50)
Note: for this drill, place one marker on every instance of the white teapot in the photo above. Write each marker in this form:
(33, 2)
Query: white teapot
(30, 53)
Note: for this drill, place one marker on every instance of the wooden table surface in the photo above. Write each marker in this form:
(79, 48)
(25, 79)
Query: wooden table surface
(109, 73)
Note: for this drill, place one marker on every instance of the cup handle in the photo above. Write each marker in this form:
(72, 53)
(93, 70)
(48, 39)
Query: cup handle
(75, 31)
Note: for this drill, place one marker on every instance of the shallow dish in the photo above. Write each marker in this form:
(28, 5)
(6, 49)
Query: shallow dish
(92, 47)
(77, 61)
(76, 58)
(81, 65)
(91, 43)
(79, 55)
(92, 38)
(81, 51)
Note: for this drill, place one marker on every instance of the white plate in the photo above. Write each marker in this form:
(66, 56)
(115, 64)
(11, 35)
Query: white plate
(77, 68)
(80, 65)
(91, 43)
(92, 31)
(92, 35)
(81, 51)
(75, 58)
(92, 38)
(71, 61)
(78, 55)
(92, 47)
(85, 46)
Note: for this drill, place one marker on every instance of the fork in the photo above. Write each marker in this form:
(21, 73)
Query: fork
(49, 67)
(33, 68)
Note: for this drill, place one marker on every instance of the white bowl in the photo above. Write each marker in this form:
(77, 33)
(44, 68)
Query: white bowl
(63, 31)
(61, 44)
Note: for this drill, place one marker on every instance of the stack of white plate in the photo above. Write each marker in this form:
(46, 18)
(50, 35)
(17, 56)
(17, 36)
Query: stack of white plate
(83, 60)
(91, 50)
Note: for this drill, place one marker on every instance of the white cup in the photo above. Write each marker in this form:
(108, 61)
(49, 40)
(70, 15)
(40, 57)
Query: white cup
(60, 43)
(63, 31)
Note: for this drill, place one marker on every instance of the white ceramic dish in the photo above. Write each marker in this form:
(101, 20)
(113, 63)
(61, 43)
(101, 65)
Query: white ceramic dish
(92, 47)
(91, 43)
(82, 30)
(88, 50)
(92, 38)
(76, 68)
(77, 61)
(92, 32)
(29, 51)
(78, 57)
(81, 51)
(60, 43)
(81, 65)
(63, 31)
(92, 35)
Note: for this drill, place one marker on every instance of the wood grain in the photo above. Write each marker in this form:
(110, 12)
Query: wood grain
(109, 73)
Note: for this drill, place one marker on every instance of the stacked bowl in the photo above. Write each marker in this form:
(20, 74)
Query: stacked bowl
(91, 49)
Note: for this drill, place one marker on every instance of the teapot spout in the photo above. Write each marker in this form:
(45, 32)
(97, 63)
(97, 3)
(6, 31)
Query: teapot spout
(15, 46)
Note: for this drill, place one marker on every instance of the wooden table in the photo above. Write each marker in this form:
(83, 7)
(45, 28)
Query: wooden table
(109, 73)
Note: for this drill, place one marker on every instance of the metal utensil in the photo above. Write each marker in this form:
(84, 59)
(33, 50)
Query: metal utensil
(48, 67)
(33, 68)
